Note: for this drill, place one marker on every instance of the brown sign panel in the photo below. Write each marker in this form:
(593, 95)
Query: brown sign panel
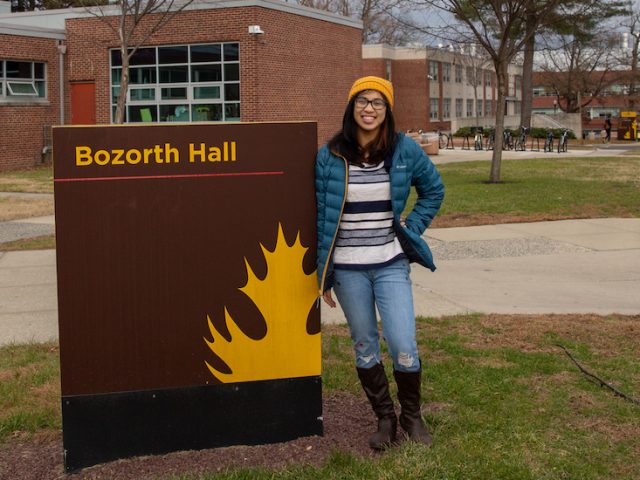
(186, 260)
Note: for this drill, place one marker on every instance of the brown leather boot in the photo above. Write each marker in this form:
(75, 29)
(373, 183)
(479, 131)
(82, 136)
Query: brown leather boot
(409, 397)
(376, 386)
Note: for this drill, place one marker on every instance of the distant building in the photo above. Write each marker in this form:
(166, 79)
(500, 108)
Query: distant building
(209, 63)
(434, 87)
(611, 100)
(225, 60)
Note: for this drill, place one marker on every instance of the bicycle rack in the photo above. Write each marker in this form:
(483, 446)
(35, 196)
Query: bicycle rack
(537, 149)
(489, 144)
(450, 142)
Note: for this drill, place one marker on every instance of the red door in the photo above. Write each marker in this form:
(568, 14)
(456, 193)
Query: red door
(83, 103)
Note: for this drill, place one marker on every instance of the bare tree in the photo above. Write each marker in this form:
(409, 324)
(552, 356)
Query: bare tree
(629, 57)
(578, 70)
(133, 22)
(30, 5)
(498, 27)
(383, 21)
(578, 18)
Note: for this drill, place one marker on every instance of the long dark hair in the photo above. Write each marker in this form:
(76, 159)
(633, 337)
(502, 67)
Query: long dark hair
(345, 142)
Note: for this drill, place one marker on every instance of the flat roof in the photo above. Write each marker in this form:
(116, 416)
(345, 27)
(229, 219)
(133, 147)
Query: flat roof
(29, 31)
(55, 19)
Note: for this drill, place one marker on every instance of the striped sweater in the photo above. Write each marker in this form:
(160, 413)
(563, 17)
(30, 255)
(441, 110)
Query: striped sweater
(366, 238)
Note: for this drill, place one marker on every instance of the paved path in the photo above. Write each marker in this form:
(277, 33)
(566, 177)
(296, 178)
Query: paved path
(572, 266)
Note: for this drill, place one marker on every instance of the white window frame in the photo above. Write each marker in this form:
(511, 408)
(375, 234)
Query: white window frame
(446, 72)
(190, 102)
(433, 70)
(433, 109)
(9, 84)
(446, 108)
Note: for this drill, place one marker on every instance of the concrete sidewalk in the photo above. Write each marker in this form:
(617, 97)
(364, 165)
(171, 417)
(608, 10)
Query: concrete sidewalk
(572, 266)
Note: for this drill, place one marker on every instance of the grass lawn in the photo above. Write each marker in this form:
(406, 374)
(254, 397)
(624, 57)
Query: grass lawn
(46, 242)
(32, 180)
(503, 401)
(531, 190)
(540, 189)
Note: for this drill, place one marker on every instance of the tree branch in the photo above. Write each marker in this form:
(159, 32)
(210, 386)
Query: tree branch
(598, 381)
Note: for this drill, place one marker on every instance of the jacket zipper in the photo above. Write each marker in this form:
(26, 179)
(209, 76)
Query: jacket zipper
(333, 241)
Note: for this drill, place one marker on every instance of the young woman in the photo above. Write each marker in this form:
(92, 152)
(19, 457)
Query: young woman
(363, 179)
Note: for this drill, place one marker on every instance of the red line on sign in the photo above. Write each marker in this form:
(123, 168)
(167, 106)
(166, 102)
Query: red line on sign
(146, 177)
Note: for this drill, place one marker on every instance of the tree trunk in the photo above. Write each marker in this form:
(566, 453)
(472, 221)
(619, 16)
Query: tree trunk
(634, 73)
(496, 160)
(124, 86)
(527, 74)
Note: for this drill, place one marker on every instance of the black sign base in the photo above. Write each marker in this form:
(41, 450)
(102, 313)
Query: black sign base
(101, 428)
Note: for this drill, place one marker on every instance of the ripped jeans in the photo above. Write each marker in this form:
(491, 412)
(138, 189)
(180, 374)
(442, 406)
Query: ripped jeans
(388, 288)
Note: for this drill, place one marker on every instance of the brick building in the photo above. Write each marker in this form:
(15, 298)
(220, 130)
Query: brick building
(209, 63)
(442, 88)
(29, 92)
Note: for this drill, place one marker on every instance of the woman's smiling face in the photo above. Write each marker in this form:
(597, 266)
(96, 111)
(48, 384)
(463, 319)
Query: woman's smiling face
(367, 117)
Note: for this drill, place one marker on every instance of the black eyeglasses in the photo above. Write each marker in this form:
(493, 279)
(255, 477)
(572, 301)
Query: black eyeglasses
(376, 103)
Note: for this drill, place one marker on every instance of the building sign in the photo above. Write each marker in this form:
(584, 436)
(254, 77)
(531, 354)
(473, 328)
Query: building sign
(186, 287)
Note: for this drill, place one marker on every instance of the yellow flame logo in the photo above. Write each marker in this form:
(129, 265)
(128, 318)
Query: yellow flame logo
(284, 298)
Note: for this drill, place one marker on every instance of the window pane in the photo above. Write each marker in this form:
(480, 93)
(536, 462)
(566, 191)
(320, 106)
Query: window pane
(231, 52)
(174, 113)
(207, 113)
(232, 112)
(143, 56)
(1, 69)
(175, 74)
(38, 71)
(206, 92)
(116, 58)
(143, 75)
(206, 73)
(178, 54)
(142, 113)
(205, 53)
(17, 88)
(19, 70)
(176, 93)
(114, 94)
(232, 91)
(137, 94)
(231, 72)
(41, 87)
(116, 75)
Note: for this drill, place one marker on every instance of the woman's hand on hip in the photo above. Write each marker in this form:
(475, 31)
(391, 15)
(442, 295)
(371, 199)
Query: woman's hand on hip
(328, 299)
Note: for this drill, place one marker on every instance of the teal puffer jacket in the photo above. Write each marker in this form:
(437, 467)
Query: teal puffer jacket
(408, 167)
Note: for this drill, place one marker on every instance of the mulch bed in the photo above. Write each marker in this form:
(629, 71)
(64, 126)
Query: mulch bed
(348, 422)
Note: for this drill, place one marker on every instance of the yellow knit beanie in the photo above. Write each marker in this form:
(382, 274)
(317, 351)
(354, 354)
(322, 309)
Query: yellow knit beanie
(373, 83)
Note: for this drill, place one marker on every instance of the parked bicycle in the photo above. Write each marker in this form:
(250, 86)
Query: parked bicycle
(548, 142)
(478, 139)
(563, 141)
(521, 141)
(445, 140)
(491, 141)
(507, 140)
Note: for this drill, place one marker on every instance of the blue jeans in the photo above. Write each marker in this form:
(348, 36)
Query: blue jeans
(388, 288)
